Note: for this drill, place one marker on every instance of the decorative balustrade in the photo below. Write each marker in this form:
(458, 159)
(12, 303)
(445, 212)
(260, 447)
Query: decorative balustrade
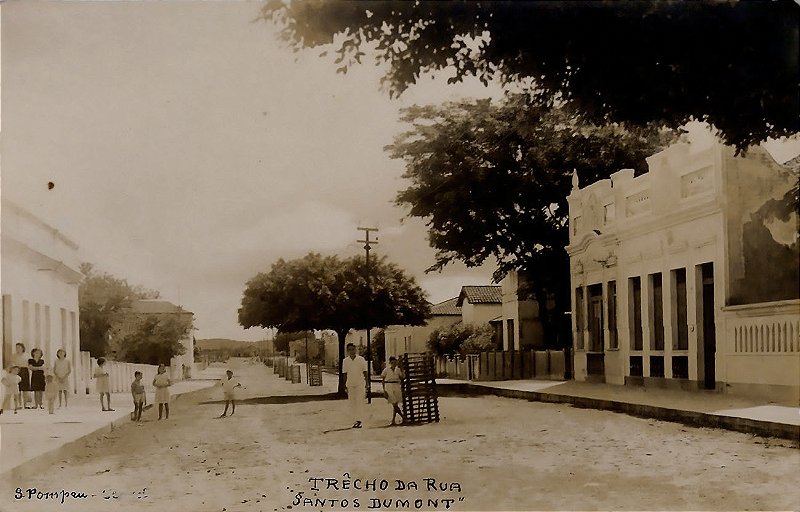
(768, 328)
(765, 337)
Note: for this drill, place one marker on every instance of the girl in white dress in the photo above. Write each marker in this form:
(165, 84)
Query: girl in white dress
(162, 383)
(61, 369)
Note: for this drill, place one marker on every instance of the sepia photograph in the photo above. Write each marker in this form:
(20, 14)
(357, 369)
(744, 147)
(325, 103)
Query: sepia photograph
(324, 255)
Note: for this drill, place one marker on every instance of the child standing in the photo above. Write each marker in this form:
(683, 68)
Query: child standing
(10, 381)
(61, 369)
(20, 360)
(50, 393)
(103, 383)
(162, 383)
(139, 397)
(229, 386)
(36, 369)
(392, 375)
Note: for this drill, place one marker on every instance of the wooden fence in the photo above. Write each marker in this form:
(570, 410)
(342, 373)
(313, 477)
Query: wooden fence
(506, 365)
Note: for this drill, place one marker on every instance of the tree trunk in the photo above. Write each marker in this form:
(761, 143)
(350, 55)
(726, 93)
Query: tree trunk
(341, 334)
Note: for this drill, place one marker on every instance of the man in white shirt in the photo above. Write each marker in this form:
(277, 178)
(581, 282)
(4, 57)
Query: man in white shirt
(354, 368)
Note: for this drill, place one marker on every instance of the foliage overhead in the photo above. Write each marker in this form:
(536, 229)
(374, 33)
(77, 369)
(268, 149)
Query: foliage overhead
(731, 64)
(492, 180)
(102, 299)
(282, 339)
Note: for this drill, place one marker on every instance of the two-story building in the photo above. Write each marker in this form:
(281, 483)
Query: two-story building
(687, 275)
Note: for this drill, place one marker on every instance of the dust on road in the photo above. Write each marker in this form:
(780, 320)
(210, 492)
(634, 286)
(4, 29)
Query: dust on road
(487, 453)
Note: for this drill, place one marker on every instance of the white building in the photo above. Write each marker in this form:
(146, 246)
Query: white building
(522, 327)
(411, 339)
(39, 283)
(480, 304)
(688, 275)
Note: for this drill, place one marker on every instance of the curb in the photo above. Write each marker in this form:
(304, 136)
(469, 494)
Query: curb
(692, 418)
(42, 462)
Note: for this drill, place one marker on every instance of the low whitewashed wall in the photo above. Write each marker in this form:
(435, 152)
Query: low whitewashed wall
(121, 374)
(762, 343)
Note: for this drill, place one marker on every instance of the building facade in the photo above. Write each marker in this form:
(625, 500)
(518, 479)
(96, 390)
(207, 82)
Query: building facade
(687, 275)
(480, 304)
(413, 339)
(522, 328)
(39, 283)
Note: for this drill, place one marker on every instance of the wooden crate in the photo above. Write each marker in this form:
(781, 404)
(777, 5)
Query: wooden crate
(315, 375)
(420, 401)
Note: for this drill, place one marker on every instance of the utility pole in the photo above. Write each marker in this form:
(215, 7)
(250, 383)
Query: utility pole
(366, 243)
(308, 373)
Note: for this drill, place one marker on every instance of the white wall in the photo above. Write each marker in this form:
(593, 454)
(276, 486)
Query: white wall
(39, 273)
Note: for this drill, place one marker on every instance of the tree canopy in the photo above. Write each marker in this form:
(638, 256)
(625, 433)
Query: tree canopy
(461, 339)
(324, 292)
(492, 180)
(282, 339)
(731, 64)
(153, 340)
(102, 298)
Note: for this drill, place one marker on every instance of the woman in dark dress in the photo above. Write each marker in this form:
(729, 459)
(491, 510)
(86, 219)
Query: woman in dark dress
(21, 359)
(36, 367)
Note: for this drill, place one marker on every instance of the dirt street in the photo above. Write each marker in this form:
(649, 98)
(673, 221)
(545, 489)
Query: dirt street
(487, 453)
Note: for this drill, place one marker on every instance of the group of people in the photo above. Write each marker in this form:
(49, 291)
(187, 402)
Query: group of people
(28, 381)
(354, 368)
(161, 382)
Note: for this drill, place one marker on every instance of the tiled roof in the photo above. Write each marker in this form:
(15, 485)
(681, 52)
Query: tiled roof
(153, 307)
(447, 307)
(480, 295)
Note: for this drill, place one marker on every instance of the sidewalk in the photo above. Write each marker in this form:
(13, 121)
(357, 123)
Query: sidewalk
(30, 434)
(698, 408)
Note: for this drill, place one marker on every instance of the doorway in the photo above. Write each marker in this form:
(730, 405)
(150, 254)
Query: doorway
(595, 318)
(709, 331)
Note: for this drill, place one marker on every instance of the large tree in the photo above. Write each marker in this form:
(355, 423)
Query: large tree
(492, 180)
(282, 339)
(324, 292)
(155, 339)
(102, 299)
(733, 64)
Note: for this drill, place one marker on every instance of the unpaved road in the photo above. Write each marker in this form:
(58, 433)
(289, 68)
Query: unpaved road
(503, 454)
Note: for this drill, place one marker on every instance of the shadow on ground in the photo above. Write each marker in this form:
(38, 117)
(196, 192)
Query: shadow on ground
(281, 399)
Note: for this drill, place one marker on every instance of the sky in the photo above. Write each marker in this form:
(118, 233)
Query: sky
(190, 149)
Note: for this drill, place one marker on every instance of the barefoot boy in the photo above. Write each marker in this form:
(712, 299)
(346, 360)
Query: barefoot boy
(228, 387)
(139, 398)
